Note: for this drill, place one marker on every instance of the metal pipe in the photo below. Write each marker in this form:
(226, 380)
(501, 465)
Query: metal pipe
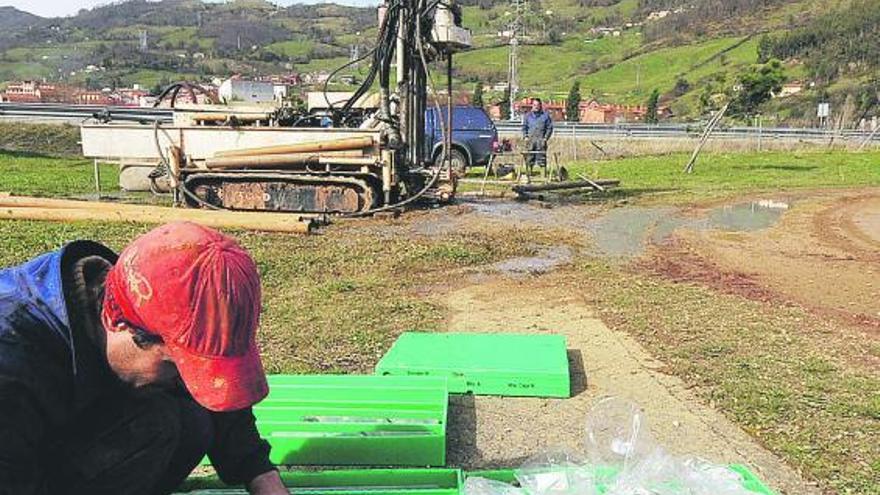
(448, 142)
(238, 220)
(561, 186)
(284, 161)
(335, 145)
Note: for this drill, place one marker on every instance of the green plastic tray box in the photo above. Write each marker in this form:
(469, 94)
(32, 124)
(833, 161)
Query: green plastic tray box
(355, 420)
(504, 364)
(349, 482)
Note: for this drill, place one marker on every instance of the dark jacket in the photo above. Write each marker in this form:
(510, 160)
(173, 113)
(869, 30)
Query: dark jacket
(537, 126)
(52, 367)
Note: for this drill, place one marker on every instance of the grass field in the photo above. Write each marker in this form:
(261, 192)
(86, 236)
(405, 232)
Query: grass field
(720, 173)
(42, 139)
(28, 174)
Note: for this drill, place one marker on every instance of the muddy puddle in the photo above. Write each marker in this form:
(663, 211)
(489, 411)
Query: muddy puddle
(627, 232)
(747, 217)
(620, 233)
(543, 262)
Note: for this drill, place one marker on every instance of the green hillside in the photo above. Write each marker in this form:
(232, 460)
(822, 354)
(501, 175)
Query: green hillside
(700, 47)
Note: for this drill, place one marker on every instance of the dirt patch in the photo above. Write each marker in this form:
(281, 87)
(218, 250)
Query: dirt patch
(679, 262)
(823, 255)
(487, 432)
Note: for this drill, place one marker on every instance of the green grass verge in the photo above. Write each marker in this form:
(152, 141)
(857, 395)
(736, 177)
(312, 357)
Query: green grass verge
(43, 139)
(723, 174)
(720, 173)
(789, 379)
(35, 175)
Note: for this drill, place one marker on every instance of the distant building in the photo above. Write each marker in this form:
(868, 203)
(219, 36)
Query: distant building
(280, 91)
(134, 96)
(235, 89)
(38, 92)
(593, 112)
(659, 14)
(556, 109)
(23, 92)
(316, 77)
(790, 89)
(94, 98)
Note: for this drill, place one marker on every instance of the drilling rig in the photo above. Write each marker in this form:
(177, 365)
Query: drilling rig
(358, 163)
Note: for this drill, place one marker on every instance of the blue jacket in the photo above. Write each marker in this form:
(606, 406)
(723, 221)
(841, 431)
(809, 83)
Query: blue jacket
(51, 370)
(537, 126)
(47, 371)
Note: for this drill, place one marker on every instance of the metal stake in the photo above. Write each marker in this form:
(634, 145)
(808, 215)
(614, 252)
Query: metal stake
(449, 113)
(97, 179)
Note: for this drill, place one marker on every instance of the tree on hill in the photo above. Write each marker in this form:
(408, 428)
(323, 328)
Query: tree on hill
(477, 97)
(757, 86)
(682, 86)
(651, 116)
(572, 105)
(840, 42)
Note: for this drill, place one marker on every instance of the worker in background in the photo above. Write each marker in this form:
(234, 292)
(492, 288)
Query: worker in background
(118, 374)
(537, 128)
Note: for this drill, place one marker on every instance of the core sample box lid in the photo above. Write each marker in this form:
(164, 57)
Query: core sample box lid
(519, 365)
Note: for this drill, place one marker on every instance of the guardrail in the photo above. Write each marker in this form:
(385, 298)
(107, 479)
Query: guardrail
(693, 130)
(62, 111)
(562, 129)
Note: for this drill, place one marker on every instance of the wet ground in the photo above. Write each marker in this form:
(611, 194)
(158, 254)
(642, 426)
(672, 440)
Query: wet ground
(623, 232)
(816, 249)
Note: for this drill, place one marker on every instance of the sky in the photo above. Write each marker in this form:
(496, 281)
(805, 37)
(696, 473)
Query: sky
(57, 8)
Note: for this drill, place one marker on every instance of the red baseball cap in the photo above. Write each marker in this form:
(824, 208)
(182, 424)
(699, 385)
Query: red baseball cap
(199, 291)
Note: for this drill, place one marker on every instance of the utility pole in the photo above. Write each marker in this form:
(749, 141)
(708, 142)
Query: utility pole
(639, 77)
(143, 42)
(512, 76)
(514, 30)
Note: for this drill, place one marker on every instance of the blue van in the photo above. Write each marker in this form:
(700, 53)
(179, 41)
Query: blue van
(474, 136)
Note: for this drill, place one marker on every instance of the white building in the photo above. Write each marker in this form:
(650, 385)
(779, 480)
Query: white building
(247, 91)
(280, 91)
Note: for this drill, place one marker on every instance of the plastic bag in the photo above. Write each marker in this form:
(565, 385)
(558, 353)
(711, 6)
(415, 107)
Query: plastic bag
(617, 433)
(558, 472)
(705, 478)
(483, 486)
(621, 460)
